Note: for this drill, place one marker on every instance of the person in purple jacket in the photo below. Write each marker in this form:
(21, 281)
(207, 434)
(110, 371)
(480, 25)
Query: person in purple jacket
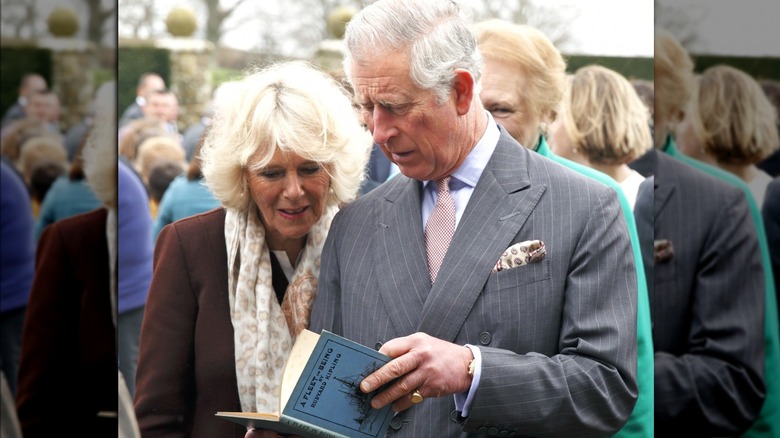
(17, 260)
(135, 267)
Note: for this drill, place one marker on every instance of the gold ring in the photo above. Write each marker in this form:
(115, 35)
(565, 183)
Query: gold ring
(416, 397)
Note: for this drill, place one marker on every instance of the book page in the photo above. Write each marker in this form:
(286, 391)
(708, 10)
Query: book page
(250, 415)
(257, 420)
(299, 355)
(296, 362)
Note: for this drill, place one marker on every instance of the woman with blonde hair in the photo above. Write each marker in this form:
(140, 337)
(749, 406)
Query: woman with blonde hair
(38, 149)
(730, 124)
(43, 150)
(603, 125)
(524, 80)
(523, 83)
(185, 196)
(158, 148)
(233, 287)
(673, 82)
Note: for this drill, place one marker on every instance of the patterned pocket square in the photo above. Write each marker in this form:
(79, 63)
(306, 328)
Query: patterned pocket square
(521, 253)
(663, 251)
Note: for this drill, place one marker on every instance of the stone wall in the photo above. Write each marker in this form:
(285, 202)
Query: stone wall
(190, 78)
(71, 76)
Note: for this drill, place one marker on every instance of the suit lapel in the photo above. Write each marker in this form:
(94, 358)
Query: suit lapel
(662, 191)
(399, 254)
(499, 206)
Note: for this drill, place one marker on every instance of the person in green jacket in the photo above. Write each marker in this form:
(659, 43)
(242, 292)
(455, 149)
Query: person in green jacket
(522, 85)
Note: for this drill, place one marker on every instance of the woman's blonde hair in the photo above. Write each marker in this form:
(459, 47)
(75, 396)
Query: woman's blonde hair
(136, 132)
(732, 117)
(292, 107)
(100, 150)
(533, 54)
(156, 149)
(604, 117)
(673, 75)
(40, 149)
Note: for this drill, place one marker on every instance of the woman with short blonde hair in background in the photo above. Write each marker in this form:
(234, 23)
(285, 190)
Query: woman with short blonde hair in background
(731, 124)
(603, 125)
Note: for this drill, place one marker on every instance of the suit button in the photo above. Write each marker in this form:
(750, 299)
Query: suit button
(377, 346)
(482, 429)
(454, 416)
(493, 431)
(396, 423)
(484, 338)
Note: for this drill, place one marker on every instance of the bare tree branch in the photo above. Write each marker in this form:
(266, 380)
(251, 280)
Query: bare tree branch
(21, 17)
(552, 22)
(681, 22)
(140, 16)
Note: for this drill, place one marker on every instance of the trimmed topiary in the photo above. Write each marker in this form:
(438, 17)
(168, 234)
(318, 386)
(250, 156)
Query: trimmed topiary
(338, 19)
(181, 22)
(63, 22)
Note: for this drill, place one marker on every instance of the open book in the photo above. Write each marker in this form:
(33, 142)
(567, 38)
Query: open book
(320, 393)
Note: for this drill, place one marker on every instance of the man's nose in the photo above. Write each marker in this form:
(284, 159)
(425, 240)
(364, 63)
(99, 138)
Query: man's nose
(382, 125)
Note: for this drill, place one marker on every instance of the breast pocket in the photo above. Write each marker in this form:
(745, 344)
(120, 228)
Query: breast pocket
(521, 308)
(665, 272)
(520, 276)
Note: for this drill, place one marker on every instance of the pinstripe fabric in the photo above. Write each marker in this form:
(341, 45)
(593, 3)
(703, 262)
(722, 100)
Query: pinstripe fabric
(768, 422)
(641, 422)
(707, 306)
(558, 337)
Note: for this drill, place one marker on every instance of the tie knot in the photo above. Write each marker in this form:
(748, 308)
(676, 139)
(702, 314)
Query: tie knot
(443, 184)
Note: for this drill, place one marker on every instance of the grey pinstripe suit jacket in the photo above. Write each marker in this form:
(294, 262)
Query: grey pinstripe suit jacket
(558, 337)
(707, 305)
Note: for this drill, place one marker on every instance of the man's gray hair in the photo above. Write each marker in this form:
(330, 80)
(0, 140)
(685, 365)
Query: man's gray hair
(435, 33)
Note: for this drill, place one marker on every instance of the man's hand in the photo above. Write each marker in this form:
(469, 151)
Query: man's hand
(431, 366)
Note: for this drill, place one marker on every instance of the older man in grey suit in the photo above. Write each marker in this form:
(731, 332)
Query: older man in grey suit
(525, 323)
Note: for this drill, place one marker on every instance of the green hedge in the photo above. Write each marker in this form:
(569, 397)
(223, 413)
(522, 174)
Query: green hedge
(759, 68)
(642, 68)
(630, 67)
(222, 75)
(14, 63)
(102, 75)
(132, 62)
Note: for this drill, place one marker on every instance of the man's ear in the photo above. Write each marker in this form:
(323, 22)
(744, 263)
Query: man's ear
(463, 85)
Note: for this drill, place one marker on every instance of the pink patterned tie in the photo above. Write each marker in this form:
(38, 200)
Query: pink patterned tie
(440, 227)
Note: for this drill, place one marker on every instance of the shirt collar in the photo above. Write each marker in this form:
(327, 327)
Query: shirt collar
(470, 170)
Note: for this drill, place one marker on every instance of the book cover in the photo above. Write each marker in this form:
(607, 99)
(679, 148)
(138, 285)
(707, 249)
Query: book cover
(320, 391)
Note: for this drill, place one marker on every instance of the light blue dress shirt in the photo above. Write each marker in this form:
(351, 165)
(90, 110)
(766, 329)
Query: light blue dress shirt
(464, 180)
